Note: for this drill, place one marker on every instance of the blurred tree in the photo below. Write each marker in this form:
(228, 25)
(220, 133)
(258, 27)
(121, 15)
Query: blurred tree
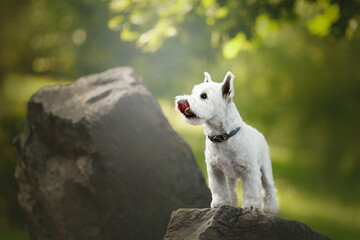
(234, 25)
(57, 38)
(52, 40)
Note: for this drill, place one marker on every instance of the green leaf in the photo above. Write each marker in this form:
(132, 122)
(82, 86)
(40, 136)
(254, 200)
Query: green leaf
(115, 23)
(221, 12)
(320, 25)
(119, 5)
(127, 35)
(235, 45)
(265, 26)
(207, 3)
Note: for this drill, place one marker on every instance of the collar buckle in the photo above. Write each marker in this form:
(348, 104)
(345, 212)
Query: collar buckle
(216, 138)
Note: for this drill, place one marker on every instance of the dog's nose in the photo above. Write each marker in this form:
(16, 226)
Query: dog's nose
(183, 107)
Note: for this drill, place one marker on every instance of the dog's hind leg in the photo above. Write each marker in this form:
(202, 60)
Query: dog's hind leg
(251, 195)
(269, 194)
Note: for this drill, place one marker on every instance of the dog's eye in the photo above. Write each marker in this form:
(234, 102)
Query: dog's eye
(203, 96)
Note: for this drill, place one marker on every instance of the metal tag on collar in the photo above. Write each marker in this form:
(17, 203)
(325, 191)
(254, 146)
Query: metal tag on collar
(225, 136)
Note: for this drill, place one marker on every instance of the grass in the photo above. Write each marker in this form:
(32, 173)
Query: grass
(12, 234)
(299, 186)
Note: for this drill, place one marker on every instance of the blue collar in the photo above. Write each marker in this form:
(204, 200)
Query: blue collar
(224, 136)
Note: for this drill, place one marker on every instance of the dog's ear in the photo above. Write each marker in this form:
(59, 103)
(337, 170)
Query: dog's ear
(207, 77)
(228, 86)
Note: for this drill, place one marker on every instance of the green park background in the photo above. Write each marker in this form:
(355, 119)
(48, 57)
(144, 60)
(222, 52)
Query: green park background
(297, 80)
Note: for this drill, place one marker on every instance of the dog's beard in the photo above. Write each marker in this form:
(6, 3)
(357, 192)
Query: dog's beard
(190, 115)
(193, 119)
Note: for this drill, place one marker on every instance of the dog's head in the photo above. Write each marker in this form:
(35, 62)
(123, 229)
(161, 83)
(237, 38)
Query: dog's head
(207, 100)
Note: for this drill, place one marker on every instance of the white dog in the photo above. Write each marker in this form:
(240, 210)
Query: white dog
(234, 150)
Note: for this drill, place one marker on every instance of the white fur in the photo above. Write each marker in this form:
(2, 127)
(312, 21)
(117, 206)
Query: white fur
(244, 156)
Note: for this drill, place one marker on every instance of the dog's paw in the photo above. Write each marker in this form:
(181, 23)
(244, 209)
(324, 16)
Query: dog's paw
(218, 203)
(271, 209)
(250, 209)
(215, 205)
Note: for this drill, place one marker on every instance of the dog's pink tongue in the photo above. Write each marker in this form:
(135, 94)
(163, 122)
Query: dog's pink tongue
(184, 107)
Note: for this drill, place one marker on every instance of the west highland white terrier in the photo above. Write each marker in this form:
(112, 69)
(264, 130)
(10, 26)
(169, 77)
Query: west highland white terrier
(234, 150)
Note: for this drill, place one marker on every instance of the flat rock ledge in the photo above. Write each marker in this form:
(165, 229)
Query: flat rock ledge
(232, 223)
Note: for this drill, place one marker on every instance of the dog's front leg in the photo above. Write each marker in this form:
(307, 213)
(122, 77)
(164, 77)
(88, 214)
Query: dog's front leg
(251, 190)
(232, 183)
(218, 186)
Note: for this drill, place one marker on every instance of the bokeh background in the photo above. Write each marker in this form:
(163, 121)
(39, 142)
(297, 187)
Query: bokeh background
(297, 68)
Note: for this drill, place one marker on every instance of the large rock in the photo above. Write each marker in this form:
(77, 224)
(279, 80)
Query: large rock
(232, 223)
(98, 160)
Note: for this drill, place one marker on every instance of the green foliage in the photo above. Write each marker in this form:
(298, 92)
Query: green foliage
(58, 38)
(234, 25)
(321, 23)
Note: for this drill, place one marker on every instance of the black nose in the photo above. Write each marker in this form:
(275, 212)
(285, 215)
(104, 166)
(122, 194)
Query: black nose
(182, 100)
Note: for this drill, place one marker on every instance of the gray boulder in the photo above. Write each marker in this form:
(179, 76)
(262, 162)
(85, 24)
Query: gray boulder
(232, 223)
(98, 160)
